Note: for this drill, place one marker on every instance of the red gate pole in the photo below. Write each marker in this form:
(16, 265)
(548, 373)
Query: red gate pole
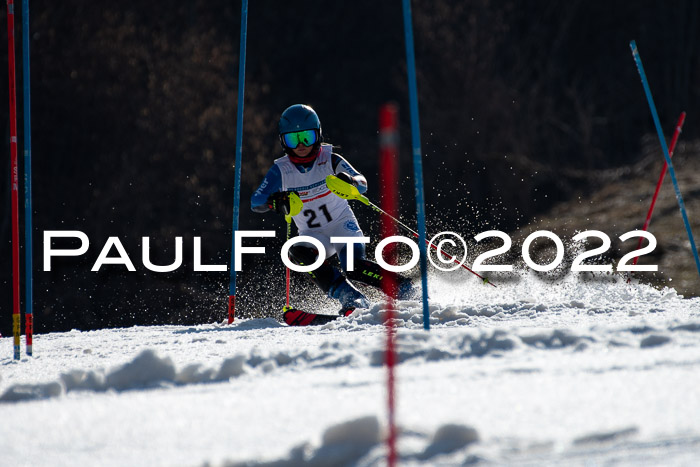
(388, 153)
(14, 175)
(671, 148)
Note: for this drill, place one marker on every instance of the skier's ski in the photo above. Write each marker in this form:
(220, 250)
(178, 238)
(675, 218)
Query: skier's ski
(294, 317)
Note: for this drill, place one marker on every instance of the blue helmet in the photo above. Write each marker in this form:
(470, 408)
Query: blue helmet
(300, 117)
(297, 118)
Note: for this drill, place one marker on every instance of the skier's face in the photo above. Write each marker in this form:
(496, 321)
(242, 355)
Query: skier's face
(302, 151)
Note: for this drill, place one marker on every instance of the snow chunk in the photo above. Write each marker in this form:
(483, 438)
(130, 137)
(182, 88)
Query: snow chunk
(449, 438)
(654, 340)
(346, 443)
(231, 368)
(595, 438)
(693, 327)
(194, 373)
(362, 431)
(554, 339)
(449, 314)
(146, 370)
(485, 344)
(86, 380)
(23, 392)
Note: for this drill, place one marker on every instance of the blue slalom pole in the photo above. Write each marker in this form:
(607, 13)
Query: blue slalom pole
(29, 313)
(417, 160)
(664, 148)
(239, 149)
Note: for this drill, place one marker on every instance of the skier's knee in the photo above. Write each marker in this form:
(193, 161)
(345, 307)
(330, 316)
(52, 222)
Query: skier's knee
(303, 255)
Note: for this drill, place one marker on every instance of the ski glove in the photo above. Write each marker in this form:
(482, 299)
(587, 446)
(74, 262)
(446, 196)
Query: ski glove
(344, 176)
(279, 202)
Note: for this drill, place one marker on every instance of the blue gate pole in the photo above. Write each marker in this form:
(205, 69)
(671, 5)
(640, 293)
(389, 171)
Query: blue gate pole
(664, 148)
(417, 160)
(239, 149)
(29, 312)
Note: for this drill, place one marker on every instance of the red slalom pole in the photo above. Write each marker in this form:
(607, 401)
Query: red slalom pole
(14, 175)
(388, 152)
(671, 148)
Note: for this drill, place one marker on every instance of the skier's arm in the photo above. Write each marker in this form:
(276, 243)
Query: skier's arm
(340, 166)
(272, 183)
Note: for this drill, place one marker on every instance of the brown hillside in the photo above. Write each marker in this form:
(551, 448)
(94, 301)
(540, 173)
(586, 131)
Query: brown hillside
(621, 205)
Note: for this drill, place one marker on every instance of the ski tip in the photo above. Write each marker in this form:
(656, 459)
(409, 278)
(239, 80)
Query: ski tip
(344, 312)
(294, 317)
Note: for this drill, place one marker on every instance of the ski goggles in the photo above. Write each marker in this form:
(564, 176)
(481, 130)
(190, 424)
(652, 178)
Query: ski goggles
(305, 137)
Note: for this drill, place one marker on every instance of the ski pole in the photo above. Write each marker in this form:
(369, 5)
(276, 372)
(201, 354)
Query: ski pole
(289, 234)
(671, 148)
(429, 243)
(334, 182)
(295, 205)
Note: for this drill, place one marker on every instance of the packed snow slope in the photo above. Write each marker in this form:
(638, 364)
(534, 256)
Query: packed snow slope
(532, 372)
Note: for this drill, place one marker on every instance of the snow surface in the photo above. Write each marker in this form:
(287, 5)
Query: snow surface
(533, 372)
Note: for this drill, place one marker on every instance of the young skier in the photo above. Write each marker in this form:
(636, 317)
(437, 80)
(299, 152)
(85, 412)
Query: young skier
(303, 170)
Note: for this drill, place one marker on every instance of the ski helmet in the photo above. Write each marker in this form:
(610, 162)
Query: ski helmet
(300, 117)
